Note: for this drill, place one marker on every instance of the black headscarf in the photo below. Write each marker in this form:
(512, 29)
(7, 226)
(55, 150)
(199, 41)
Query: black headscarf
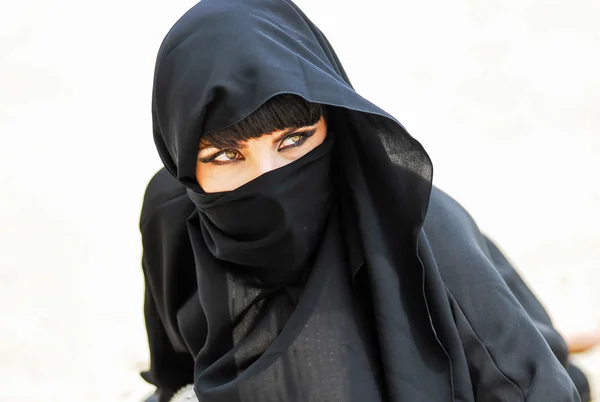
(341, 313)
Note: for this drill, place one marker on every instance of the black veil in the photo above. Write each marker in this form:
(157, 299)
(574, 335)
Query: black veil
(221, 61)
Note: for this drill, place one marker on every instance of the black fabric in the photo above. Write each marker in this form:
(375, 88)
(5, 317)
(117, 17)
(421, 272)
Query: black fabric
(287, 311)
(268, 228)
(426, 317)
(581, 382)
(166, 205)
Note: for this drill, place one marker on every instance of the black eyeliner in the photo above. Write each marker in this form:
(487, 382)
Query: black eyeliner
(305, 136)
(209, 159)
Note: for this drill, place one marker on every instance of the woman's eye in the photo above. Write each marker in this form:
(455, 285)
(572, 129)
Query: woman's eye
(227, 156)
(292, 140)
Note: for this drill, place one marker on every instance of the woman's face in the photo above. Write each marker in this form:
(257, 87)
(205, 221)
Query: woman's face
(227, 169)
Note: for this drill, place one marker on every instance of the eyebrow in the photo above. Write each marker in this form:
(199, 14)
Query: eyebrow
(288, 131)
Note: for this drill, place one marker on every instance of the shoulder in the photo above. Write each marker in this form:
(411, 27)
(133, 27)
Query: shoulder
(164, 197)
(459, 249)
(446, 216)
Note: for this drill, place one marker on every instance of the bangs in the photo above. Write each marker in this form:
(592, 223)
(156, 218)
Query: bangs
(278, 113)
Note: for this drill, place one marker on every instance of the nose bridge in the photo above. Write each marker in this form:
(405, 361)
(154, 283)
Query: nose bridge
(264, 158)
(265, 162)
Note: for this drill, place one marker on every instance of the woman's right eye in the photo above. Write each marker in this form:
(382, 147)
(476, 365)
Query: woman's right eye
(226, 156)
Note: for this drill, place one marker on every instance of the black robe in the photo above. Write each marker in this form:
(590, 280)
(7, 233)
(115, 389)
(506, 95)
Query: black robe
(497, 355)
(414, 306)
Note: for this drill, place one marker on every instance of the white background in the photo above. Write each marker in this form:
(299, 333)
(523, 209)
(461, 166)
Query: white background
(505, 96)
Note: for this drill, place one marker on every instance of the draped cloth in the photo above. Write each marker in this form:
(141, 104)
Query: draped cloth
(397, 297)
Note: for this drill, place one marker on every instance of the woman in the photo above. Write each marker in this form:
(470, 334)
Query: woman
(294, 248)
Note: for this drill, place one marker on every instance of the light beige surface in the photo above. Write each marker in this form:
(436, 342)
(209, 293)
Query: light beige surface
(505, 95)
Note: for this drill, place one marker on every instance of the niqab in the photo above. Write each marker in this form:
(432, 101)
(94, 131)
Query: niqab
(347, 312)
(269, 227)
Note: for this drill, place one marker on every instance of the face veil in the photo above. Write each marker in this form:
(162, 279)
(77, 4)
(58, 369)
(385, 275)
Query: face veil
(270, 227)
(221, 61)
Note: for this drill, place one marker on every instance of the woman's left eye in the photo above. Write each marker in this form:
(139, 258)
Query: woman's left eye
(292, 140)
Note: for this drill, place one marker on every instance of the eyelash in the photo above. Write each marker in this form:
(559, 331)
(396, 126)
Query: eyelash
(303, 137)
(303, 134)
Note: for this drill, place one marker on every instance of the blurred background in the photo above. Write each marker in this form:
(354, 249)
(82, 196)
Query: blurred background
(504, 95)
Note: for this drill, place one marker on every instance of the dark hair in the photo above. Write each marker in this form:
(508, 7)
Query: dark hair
(278, 113)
